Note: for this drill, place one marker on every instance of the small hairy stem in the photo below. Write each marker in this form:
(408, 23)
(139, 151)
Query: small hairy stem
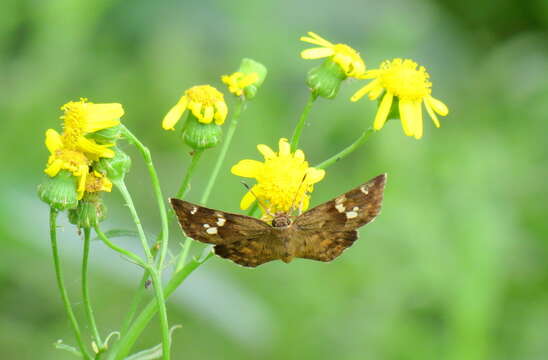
(61, 283)
(347, 151)
(183, 189)
(161, 305)
(85, 289)
(131, 256)
(302, 120)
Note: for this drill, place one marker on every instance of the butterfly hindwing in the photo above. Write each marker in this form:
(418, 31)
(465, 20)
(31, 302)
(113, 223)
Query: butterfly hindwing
(325, 231)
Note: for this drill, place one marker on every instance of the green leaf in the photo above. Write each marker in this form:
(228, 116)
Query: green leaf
(154, 352)
(59, 345)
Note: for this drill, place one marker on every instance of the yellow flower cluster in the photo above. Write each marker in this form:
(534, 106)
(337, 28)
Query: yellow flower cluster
(73, 151)
(238, 81)
(284, 180)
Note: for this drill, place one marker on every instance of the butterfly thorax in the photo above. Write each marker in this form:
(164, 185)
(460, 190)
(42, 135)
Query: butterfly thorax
(281, 220)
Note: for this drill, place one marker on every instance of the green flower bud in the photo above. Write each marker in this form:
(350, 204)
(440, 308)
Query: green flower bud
(115, 168)
(250, 66)
(106, 136)
(325, 80)
(200, 136)
(59, 192)
(89, 212)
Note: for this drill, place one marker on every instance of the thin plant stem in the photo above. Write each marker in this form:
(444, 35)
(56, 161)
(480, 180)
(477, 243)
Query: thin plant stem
(164, 233)
(137, 298)
(122, 348)
(347, 151)
(85, 289)
(152, 270)
(213, 177)
(183, 189)
(302, 120)
(128, 254)
(61, 283)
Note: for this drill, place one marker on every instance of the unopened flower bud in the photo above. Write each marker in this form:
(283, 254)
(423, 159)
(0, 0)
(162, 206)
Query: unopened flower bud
(89, 212)
(59, 191)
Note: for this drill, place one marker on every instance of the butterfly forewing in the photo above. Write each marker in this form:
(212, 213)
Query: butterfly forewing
(325, 231)
(245, 240)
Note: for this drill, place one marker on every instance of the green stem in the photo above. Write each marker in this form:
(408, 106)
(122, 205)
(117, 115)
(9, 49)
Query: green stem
(122, 348)
(85, 289)
(137, 298)
(121, 185)
(302, 120)
(213, 178)
(164, 233)
(150, 266)
(356, 144)
(131, 256)
(61, 283)
(188, 175)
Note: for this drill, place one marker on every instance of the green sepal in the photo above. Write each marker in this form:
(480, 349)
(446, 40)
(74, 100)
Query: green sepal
(106, 136)
(59, 192)
(114, 168)
(200, 136)
(325, 80)
(89, 212)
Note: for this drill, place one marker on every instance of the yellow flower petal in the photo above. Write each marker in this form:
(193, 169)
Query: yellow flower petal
(247, 168)
(247, 200)
(53, 141)
(53, 168)
(407, 116)
(316, 53)
(314, 175)
(432, 114)
(102, 116)
(196, 108)
(266, 151)
(364, 90)
(417, 111)
(316, 39)
(208, 114)
(90, 146)
(285, 148)
(221, 113)
(437, 105)
(299, 154)
(174, 114)
(382, 112)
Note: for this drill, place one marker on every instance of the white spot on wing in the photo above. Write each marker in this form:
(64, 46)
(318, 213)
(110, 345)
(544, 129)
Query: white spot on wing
(193, 211)
(221, 221)
(355, 208)
(351, 214)
(340, 208)
(212, 231)
(206, 226)
(364, 190)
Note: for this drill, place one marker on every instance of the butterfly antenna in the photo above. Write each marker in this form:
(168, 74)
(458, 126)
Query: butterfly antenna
(257, 198)
(292, 208)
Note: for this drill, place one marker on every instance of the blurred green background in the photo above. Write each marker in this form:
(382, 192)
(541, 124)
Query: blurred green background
(454, 268)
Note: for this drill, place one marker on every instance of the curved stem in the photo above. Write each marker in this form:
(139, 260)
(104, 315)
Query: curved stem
(121, 185)
(302, 120)
(164, 233)
(356, 144)
(122, 348)
(213, 178)
(85, 289)
(133, 257)
(61, 283)
(161, 303)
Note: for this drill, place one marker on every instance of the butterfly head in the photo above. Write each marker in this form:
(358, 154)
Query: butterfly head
(281, 219)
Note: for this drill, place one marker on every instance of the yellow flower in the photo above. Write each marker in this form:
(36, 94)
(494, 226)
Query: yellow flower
(401, 79)
(238, 81)
(204, 101)
(284, 180)
(96, 182)
(68, 159)
(345, 56)
(83, 117)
